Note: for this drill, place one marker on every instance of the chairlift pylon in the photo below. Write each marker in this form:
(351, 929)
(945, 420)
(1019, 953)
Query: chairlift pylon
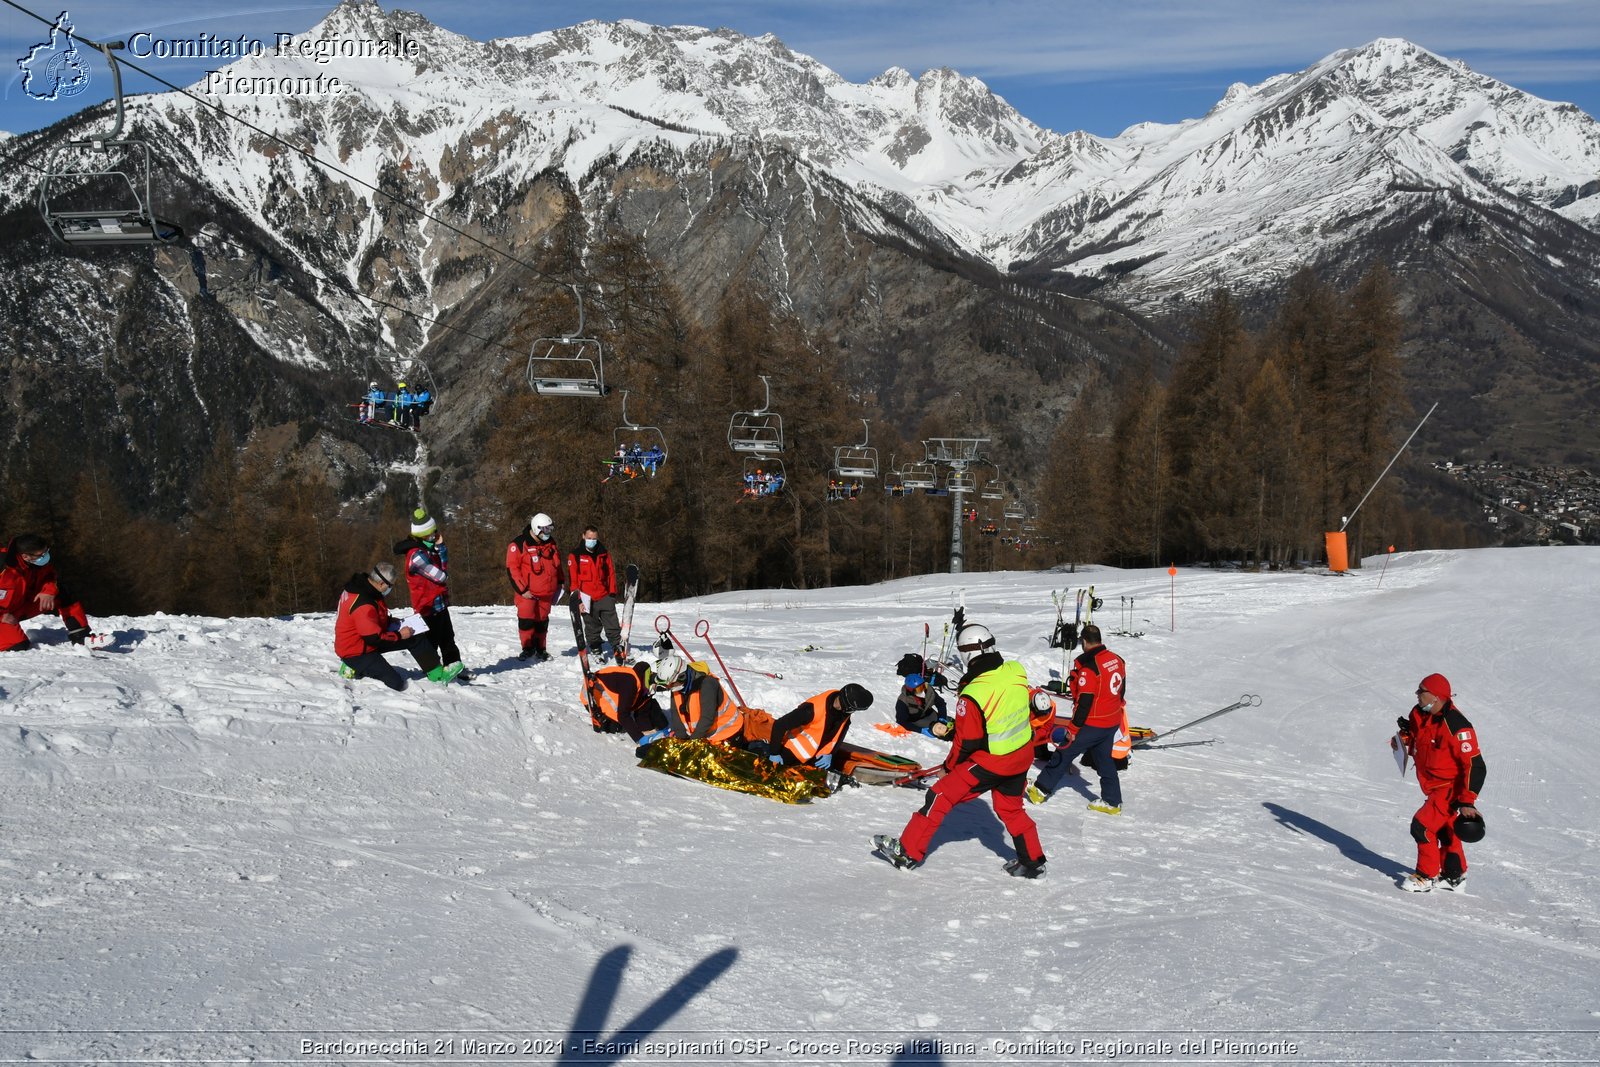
(857, 461)
(759, 432)
(128, 220)
(572, 365)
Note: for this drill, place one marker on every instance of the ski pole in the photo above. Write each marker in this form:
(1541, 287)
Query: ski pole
(1248, 700)
(764, 674)
(702, 629)
(666, 631)
(924, 646)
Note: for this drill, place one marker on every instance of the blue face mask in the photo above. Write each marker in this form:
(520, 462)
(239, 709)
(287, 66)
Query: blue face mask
(589, 543)
(42, 560)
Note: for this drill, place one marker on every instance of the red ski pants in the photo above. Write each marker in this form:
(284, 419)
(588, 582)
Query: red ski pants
(1433, 827)
(969, 782)
(533, 621)
(14, 639)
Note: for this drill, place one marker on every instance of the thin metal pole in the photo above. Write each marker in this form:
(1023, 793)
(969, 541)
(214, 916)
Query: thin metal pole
(1374, 485)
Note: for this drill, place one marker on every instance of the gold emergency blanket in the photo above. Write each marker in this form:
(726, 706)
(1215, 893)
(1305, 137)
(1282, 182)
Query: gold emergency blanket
(732, 768)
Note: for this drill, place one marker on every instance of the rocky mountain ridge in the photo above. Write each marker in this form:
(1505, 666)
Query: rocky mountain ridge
(902, 218)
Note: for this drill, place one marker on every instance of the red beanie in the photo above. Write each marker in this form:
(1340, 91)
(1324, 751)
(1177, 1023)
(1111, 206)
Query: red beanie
(1438, 685)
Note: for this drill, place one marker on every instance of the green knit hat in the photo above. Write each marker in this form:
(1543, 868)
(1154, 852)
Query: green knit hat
(422, 525)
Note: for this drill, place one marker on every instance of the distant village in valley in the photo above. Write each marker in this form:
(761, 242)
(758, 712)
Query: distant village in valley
(1534, 505)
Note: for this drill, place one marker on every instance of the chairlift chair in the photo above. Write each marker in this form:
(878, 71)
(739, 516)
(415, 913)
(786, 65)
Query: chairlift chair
(858, 461)
(764, 477)
(573, 365)
(649, 438)
(961, 481)
(757, 433)
(85, 214)
(992, 489)
(919, 476)
(1015, 510)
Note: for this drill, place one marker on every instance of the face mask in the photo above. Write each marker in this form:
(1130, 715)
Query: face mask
(42, 560)
(589, 543)
(544, 535)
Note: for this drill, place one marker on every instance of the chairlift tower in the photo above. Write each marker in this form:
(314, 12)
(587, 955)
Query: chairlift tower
(960, 454)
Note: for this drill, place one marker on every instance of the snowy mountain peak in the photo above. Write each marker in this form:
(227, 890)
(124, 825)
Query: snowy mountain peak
(893, 78)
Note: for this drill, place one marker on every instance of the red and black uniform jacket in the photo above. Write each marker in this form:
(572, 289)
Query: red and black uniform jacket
(21, 584)
(534, 566)
(1445, 749)
(591, 572)
(361, 624)
(1099, 688)
(970, 741)
(426, 575)
(812, 721)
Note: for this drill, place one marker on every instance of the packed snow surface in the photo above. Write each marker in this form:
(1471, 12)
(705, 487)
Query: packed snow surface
(214, 848)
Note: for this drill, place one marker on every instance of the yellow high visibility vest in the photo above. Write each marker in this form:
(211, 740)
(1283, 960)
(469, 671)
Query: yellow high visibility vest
(1002, 696)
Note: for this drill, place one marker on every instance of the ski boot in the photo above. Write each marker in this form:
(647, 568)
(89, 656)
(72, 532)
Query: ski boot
(1021, 868)
(1417, 883)
(1036, 795)
(1104, 808)
(445, 675)
(347, 672)
(889, 848)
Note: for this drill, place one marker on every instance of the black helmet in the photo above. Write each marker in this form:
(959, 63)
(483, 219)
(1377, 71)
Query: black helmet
(1469, 826)
(854, 698)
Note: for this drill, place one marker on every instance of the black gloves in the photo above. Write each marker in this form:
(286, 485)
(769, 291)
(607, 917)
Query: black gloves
(958, 620)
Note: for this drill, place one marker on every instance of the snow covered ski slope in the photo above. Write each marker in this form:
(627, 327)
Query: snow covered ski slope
(214, 848)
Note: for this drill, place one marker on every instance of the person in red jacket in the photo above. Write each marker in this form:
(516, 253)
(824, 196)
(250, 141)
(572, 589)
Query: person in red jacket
(533, 563)
(592, 578)
(427, 577)
(1450, 769)
(363, 633)
(992, 753)
(808, 735)
(29, 587)
(1099, 689)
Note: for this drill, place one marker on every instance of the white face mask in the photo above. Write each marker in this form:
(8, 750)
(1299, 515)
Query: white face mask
(590, 542)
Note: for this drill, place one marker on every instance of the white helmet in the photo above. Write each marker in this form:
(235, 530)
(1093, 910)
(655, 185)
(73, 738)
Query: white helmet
(667, 671)
(541, 525)
(973, 640)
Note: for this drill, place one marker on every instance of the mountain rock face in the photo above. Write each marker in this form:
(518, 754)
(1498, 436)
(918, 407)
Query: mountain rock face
(974, 264)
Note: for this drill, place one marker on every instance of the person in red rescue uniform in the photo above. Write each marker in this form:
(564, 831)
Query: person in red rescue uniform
(808, 735)
(29, 587)
(991, 752)
(593, 579)
(1450, 769)
(1098, 689)
(428, 580)
(363, 633)
(620, 701)
(533, 563)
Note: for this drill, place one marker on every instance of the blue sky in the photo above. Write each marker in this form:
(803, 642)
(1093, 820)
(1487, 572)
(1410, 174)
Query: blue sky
(1096, 65)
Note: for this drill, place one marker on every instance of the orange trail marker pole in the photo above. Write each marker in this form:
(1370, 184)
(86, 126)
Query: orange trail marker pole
(1385, 566)
(1172, 578)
